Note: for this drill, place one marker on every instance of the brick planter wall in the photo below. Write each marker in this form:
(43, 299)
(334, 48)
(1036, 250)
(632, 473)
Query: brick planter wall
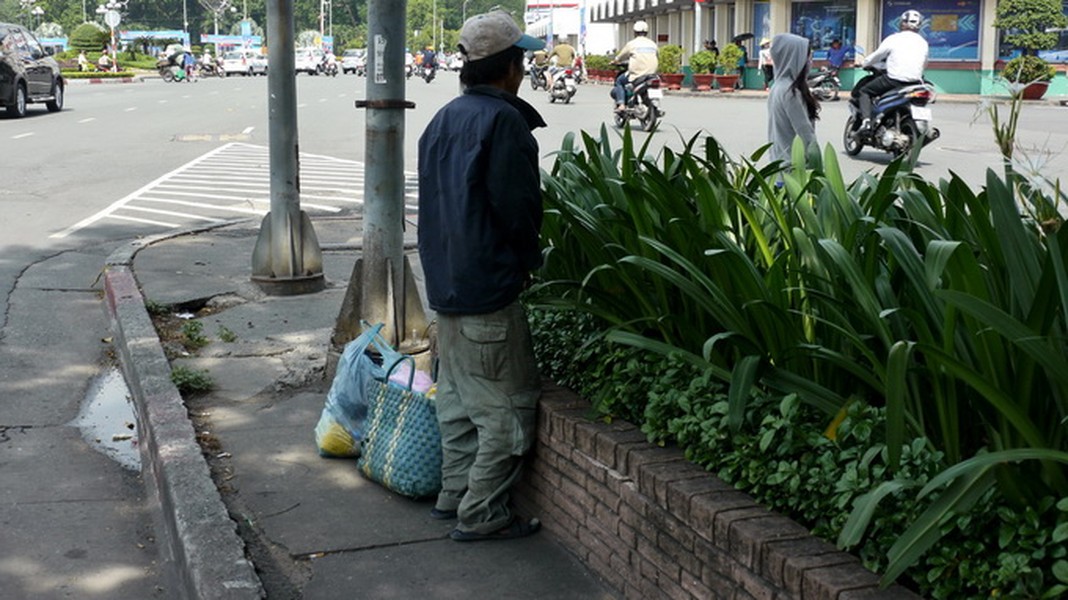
(653, 525)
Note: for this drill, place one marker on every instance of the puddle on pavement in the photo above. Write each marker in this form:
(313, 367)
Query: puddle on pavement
(107, 420)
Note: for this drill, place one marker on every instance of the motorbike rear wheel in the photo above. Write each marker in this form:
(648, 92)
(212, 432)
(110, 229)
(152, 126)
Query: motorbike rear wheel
(908, 129)
(828, 90)
(167, 75)
(850, 141)
(650, 118)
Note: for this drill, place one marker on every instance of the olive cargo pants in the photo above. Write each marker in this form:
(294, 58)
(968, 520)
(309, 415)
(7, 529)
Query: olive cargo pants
(488, 390)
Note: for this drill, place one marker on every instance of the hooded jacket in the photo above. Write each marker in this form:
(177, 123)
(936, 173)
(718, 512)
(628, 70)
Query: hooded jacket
(787, 114)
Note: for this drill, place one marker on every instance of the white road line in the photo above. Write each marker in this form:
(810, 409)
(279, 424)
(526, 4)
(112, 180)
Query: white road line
(21, 135)
(247, 130)
(237, 209)
(131, 109)
(121, 202)
(172, 213)
(146, 221)
(321, 207)
(87, 120)
(162, 101)
(215, 188)
(235, 178)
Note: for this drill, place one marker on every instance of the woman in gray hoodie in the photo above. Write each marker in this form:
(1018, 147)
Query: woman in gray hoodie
(792, 110)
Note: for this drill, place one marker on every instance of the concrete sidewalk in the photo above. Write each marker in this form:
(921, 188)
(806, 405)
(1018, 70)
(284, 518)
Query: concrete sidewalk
(290, 524)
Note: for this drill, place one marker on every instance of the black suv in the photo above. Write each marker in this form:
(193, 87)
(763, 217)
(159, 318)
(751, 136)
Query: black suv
(27, 73)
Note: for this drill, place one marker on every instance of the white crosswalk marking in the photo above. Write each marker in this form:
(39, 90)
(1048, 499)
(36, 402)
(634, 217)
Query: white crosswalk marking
(234, 180)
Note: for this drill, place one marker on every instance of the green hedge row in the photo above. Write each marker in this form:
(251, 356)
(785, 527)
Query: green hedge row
(932, 313)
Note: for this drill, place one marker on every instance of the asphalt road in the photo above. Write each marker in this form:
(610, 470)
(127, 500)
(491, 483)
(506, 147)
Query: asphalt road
(112, 140)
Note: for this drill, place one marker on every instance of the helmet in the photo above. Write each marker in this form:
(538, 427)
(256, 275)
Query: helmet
(911, 19)
(641, 27)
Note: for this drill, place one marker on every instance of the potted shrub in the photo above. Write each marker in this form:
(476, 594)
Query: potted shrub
(1029, 76)
(599, 67)
(1027, 25)
(703, 64)
(727, 67)
(670, 65)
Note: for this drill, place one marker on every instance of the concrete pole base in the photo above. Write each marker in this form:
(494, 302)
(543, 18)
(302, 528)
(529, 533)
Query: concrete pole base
(291, 286)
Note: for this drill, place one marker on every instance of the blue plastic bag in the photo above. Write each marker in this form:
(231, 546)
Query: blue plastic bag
(346, 402)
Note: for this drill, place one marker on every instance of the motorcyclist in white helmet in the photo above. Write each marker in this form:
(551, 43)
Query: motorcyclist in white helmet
(902, 58)
(641, 57)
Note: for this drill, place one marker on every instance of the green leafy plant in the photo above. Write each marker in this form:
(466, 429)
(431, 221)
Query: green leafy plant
(193, 337)
(89, 37)
(155, 308)
(97, 74)
(598, 62)
(226, 334)
(703, 62)
(727, 62)
(1027, 24)
(669, 58)
(1026, 69)
(191, 381)
(937, 302)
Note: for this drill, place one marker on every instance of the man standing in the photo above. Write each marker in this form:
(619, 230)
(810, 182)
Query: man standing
(479, 221)
(902, 56)
(641, 57)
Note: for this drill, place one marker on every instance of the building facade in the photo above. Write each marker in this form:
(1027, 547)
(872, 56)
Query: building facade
(965, 49)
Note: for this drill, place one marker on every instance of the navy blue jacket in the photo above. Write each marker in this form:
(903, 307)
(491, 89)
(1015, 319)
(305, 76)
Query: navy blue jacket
(479, 201)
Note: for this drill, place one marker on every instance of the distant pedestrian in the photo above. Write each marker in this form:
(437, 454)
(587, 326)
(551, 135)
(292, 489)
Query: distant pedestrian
(792, 110)
(742, 62)
(711, 46)
(479, 220)
(83, 62)
(836, 54)
(189, 63)
(765, 62)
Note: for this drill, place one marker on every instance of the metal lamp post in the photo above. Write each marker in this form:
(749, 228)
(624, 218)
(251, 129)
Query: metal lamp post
(112, 17)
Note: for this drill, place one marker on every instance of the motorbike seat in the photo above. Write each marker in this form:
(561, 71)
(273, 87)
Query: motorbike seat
(895, 95)
(641, 80)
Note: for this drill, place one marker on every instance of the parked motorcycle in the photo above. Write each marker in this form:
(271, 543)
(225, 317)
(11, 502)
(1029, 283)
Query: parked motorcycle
(537, 78)
(900, 120)
(643, 97)
(429, 72)
(824, 84)
(563, 86)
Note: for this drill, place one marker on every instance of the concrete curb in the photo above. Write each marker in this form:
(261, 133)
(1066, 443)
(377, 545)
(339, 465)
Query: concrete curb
(199, 538)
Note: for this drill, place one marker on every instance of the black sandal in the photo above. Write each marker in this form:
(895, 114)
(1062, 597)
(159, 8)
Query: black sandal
(517, 529)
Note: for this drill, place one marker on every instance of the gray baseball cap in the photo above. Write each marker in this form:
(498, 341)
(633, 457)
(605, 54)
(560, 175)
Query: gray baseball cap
(487, 34)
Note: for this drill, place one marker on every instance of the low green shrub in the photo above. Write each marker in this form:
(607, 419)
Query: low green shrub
(97, 74)
(784, 457)
(939, 305)
(598, 61)
(191, 381)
